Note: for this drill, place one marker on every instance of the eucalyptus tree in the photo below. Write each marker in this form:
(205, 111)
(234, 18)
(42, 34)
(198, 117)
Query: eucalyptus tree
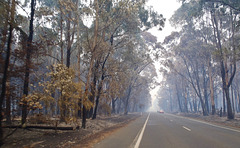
(115, 25)
(224, 26)
(216, 15)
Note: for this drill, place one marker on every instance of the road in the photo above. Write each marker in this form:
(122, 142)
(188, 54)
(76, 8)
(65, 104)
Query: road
(155, 130)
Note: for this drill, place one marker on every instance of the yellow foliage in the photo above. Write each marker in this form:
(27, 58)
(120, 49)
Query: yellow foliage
(33, 100)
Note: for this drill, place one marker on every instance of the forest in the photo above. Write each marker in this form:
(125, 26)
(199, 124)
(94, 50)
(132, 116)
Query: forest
(71, 59)
(200, 61)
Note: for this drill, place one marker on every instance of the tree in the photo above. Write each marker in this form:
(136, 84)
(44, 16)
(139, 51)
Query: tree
(29, 47)
(6, 65)
(218, 29)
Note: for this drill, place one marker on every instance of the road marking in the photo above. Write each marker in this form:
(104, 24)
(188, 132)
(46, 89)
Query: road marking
(215, 125)
(141, 134)
(222, 127)
(186, 128)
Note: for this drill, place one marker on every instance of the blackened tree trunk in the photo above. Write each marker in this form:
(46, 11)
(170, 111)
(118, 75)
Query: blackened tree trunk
(6, 65)
(69, 44)
(114, 105)
(223, 65)
(28, 61)
(84, 117)
(8, 103)
(100, 87)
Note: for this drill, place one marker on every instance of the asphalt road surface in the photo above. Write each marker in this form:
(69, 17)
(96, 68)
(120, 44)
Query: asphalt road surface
(155, 130)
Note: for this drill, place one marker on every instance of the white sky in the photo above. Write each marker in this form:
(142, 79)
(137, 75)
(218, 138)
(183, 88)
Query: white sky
(167, 8)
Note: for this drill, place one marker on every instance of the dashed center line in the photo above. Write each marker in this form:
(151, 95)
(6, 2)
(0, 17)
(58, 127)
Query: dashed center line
(187, 128)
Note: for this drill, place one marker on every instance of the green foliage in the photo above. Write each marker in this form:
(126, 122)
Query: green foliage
(186, 13)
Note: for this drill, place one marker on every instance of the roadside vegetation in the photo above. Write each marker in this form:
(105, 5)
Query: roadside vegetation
(201, 60)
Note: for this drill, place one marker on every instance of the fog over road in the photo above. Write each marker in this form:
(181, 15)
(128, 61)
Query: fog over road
(155, 130)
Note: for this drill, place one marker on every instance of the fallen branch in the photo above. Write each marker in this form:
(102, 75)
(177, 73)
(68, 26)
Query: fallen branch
(42, 127)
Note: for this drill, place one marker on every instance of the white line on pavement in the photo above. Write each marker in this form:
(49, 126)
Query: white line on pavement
(141, 134)
(186, 128)
(222, 127)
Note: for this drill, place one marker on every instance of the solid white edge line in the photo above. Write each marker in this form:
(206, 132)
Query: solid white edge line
(141, 134)
(222, 127)
(186, 128)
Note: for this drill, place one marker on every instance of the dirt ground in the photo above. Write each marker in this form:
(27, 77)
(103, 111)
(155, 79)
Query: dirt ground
(83, 138)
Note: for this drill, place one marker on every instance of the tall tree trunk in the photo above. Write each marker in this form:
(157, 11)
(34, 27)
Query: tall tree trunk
(61, 33)
(68, 41)
(6, 66)
(79, 81)
(93, 56)
(100, 85)
(28, 61)
(78, 56)
(93, 88)
(223, 67)
(211, 86)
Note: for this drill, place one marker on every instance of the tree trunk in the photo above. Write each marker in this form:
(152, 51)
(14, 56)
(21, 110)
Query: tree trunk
(5, 28)
(68, 41)
(178, 97)
(79, 81)
(6, 65)
(186, 102)
(205, 91)
(28, 61)
(211, 86)
(8, 103)
(61, 33)
(224, 102)
(114, 105)
(97, 99)
(223, 67)
(119, 106)
(84, 117)
(238, 102)
(129, 90)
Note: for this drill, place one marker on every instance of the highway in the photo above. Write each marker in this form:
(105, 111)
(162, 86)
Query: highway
(155, 130)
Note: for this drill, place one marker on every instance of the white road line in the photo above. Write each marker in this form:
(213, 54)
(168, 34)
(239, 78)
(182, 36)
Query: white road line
(216, 125)
(222, 127)
(186, 128)
(141, 134)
